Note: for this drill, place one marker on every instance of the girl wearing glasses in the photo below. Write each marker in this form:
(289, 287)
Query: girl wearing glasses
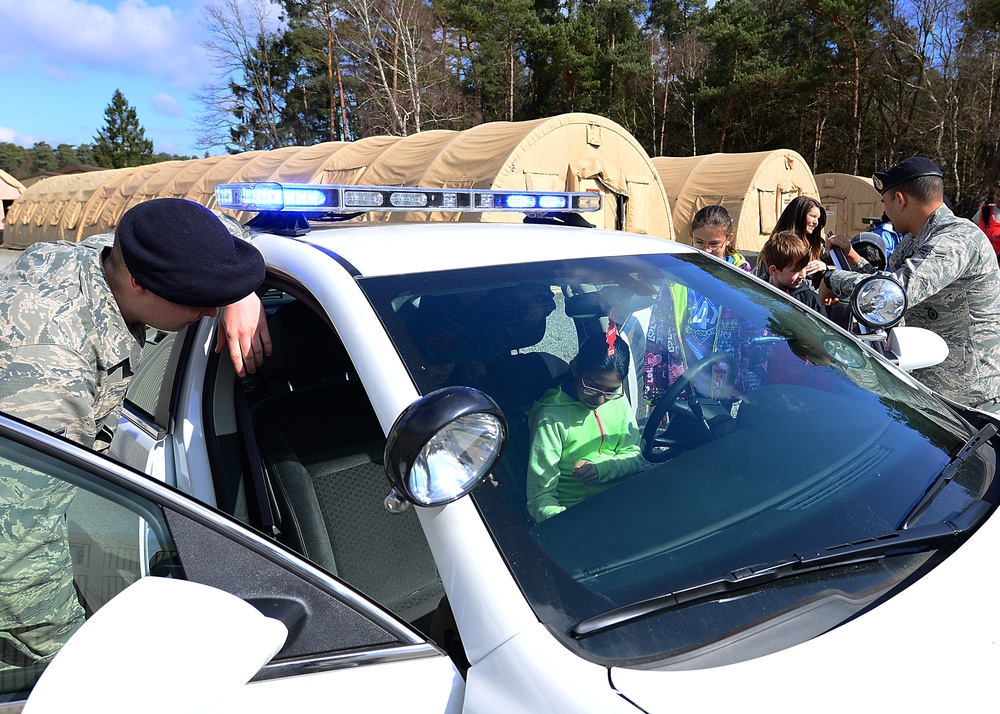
(584, 436)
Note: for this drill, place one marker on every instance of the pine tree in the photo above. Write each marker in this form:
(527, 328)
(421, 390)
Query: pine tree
(122, 142)
(43, 157)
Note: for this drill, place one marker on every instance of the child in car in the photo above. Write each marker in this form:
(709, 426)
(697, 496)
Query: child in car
(584, 436)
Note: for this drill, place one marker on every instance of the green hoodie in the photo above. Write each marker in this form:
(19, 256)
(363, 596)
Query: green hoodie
(563, 431)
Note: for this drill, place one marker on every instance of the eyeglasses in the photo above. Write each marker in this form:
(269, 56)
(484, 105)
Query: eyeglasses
(595, 392)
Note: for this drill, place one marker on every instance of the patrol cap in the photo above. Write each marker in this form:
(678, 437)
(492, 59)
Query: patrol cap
(182, 252)
(905, 170)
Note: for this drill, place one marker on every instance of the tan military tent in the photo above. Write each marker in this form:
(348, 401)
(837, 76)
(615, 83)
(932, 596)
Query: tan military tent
(576, 152)
(754, 188)
(10, 189)
(848, 200)
(53, 209)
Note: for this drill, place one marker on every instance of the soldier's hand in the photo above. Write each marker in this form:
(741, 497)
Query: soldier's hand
(826, 295)
(243, 329)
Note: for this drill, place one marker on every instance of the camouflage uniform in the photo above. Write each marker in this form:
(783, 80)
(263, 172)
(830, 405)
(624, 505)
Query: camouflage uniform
(952, 284)
(66, 356)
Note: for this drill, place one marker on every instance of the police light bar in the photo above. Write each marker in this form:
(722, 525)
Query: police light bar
(328, 198)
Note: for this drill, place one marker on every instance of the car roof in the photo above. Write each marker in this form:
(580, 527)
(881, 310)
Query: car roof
(393, 248)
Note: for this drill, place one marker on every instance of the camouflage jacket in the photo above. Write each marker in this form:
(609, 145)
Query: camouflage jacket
(949, 272)
(66, 354)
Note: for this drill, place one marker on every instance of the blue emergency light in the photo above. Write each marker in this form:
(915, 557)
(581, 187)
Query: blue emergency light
(330, 198)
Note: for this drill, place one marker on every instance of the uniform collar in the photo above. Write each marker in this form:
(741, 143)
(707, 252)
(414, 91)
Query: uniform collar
(941, 213)
(119, 341)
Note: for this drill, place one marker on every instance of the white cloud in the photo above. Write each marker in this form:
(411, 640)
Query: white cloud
(67, 37)
(14, 137)
(166, 105)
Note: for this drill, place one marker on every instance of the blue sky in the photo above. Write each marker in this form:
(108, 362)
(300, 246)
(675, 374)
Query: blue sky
(62, 60)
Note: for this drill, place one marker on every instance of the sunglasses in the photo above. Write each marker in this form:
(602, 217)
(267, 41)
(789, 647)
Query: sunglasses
(595, 392)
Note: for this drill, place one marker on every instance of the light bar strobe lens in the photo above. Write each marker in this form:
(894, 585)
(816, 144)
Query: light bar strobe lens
(520, 201)
(455, 458)
(273, 197)
(304, 197)
(553, 202)
(331, 198)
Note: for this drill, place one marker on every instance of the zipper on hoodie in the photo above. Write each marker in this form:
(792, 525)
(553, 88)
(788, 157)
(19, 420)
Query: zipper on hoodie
(600, 428)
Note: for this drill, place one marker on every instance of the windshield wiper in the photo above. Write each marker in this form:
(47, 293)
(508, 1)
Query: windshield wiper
(868, 549)
(980, 439)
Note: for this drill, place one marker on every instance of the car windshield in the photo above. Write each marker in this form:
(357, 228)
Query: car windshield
(772, 434)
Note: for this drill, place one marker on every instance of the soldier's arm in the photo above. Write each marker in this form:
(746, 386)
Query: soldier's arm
(938, 263)
(51, 387)
(243, 331)
(843, 282)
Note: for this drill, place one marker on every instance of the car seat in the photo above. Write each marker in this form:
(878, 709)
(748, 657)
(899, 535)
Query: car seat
(321, 447)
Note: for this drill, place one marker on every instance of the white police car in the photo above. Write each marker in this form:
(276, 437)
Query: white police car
(812, 527)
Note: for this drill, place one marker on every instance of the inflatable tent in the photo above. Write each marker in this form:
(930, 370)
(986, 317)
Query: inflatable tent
(754, 188)
(576, 152)
(10, 189)
(848, 200)
(52, 209)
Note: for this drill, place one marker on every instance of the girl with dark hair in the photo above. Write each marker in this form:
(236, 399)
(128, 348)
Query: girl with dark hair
(712, 231)
(807, 217)
(584, 436)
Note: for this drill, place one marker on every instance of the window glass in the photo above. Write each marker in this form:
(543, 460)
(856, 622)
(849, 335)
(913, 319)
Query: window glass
(742, 430)
(68, 544)
(151, 386)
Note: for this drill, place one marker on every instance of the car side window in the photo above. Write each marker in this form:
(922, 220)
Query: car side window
(68, 544)
(77, 529)
(151, 387)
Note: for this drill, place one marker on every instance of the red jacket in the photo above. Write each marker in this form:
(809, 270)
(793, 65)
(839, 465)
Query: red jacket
(991, 229)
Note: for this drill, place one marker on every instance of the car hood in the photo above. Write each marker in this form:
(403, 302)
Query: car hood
(925, 649)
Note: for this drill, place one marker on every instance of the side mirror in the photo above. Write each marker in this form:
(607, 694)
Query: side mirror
(915, 347)
(878, 302)
(442, 446)
(201, 644)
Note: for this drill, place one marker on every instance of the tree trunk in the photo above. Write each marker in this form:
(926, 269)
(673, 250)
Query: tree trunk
(818, 141)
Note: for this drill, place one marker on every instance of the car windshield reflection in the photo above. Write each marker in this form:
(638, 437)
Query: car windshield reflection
(772, 432)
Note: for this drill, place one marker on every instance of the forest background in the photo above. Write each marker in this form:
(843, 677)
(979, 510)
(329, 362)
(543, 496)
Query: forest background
(852, 85)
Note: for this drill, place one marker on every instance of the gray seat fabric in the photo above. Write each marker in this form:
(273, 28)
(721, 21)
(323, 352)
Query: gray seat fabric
(321, 447)
(515, 382)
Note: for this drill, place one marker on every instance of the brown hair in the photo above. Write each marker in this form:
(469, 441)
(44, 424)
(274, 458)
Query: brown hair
(784, 249)
(793, 218)
(716, 217)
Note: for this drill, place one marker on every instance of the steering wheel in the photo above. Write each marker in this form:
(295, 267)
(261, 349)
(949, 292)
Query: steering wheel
(652, 438)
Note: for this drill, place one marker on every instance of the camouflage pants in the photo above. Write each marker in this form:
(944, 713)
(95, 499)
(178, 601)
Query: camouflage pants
(39, 608)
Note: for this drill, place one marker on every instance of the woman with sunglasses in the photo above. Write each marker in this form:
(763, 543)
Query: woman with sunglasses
(583, 434)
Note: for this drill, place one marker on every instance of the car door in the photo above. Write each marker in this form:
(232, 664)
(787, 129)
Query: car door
(121, 526)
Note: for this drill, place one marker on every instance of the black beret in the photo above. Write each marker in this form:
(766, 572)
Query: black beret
(182, 252)
(905, 170)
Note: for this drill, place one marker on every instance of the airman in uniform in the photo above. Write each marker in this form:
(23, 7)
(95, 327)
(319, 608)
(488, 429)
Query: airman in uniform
(73, 320)
(949, 272)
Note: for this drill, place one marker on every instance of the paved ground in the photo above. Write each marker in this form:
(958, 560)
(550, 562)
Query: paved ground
(8, 256)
